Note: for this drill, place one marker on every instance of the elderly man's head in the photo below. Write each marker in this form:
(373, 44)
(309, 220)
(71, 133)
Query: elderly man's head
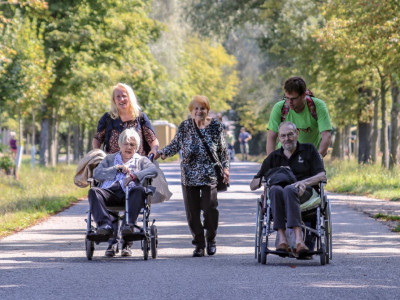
(288, 135)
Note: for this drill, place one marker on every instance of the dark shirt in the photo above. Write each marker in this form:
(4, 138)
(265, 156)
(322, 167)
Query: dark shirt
(305, 162)
(116, 126)
(13, 144)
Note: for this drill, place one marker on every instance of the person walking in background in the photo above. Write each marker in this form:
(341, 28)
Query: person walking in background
(244, 137)
(310, 115)
(13, 145)
(199, 179)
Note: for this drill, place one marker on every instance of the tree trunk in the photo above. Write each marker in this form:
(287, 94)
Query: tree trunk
(52, 139)
(394, 121)
(384, 126)
(375, 134)
(69, 143)
(82, 141)
(336, 144)
(33, 147)
(89, 140)
(364, 142)
(76, 142)
(44, 138)
(347, 141)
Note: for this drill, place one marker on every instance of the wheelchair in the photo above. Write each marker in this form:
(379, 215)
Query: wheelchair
(316, 224)
(147, 233)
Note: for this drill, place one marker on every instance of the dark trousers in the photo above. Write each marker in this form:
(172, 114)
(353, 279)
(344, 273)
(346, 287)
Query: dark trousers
(197, 199)
(285, 205)
(100, 199)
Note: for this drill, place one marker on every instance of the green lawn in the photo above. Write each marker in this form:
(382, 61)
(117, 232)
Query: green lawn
(39, 193)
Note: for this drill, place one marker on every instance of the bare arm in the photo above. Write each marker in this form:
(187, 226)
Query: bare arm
(325, 142)
(314, 180)
(154, 147)
(271, 141)
(95, 144)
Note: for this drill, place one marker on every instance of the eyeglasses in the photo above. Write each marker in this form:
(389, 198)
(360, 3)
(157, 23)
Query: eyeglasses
(133, 145)
(290, 135)
(291, 99)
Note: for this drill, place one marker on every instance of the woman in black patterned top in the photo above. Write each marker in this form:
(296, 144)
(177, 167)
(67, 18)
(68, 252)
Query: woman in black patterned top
(125, 113)
(198, 175)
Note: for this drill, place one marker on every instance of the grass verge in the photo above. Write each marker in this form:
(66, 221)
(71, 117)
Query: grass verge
(39, 193)
(390, 218)
(370, 180)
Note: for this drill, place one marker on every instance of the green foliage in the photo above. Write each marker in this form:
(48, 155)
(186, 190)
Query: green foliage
(6, 163)
(27, 75)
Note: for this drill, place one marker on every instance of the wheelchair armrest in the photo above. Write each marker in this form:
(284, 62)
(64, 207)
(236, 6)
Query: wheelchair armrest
(93, 182)
(147, 179)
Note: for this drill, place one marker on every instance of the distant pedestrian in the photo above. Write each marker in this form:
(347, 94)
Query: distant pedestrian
(244, 137)
(13, 145)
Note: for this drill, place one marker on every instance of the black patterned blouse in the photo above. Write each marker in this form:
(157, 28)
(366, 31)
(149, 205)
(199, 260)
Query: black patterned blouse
(145, 131)
(196, 166)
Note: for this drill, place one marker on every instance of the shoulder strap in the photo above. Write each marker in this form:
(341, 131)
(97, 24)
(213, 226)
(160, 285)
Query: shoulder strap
(106, 146)
(311, 107)
(212, 155)
(310, 104)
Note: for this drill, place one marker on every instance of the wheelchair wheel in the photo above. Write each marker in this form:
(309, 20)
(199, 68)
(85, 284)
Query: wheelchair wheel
(89, 248)
(153, 241)
(258, 237)
(263, 254)
(328, 230)
(323, 256)
(145, 248)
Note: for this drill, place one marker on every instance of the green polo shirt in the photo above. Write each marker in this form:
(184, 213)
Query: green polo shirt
(310, 129)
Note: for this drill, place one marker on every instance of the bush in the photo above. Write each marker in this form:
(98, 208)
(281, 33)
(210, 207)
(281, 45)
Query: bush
(6, 163)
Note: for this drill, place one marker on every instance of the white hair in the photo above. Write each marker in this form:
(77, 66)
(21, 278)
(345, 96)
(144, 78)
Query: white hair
(127, 135)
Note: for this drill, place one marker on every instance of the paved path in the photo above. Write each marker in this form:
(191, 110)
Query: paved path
(48, 261)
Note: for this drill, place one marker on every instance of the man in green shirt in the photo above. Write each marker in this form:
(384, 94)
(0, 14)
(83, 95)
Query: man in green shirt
(310, 116)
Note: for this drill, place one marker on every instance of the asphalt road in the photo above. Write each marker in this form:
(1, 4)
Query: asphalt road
(48, 261)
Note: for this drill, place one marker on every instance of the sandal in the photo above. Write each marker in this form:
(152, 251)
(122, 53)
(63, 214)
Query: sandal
(301, 250)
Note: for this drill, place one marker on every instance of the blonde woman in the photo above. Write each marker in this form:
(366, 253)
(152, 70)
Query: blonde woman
(124, 113)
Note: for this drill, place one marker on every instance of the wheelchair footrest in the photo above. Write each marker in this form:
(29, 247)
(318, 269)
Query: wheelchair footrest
(94, 237)
(135, 236)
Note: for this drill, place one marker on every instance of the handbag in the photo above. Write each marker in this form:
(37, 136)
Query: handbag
(221, 185)
(282, 176)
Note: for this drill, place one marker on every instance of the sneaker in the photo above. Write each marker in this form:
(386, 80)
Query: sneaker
(105, 229)
(198, 252)
(111, 250)
(126, 250)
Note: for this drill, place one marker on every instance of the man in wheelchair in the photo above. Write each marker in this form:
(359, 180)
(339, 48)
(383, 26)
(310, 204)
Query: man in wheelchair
(115, 172)
(307, 166)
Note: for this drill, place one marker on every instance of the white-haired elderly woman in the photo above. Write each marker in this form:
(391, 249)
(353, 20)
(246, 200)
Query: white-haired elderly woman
(126, 167)
(124, 113)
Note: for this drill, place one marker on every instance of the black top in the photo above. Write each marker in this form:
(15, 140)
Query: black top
(305, 162)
